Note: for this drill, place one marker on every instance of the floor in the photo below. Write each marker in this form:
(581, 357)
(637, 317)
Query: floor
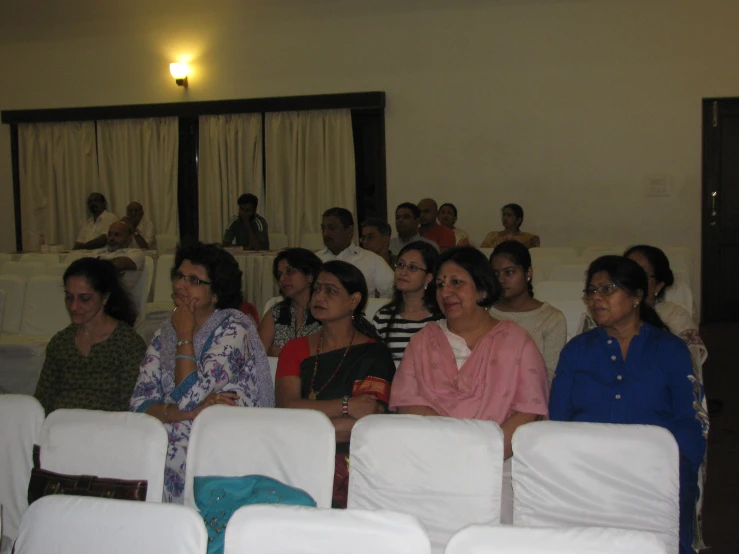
(721, 507)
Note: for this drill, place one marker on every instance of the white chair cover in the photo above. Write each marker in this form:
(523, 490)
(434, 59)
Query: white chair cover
(447, 472)
(542, 267)
(46, 258)
(574, 312)
(166, 244)
(118, 445)
(680, 293)
(20, 422)
(551, 291)
(24, 269)
(597, 475)
(312, 241)
(163, 283)
(592, 252)
(82, 525)
(15, 294)
(273, 367)
(44, 312)
(568, 272)
(565, 254)
(277, 529)
(140, 292)
(277, 241)
(4, 258)
(57, 270)
(374, 304)
(271, 302)
(508, 539)
(296, 447)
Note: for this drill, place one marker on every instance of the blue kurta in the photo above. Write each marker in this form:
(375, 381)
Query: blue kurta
(654, 385)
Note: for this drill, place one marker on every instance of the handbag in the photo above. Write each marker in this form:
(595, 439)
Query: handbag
(44, 483)
(217, 498)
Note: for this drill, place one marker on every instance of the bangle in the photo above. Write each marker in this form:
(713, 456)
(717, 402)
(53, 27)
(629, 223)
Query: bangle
(165, 415)
(345, 406)
(183, 341)
(186, 356)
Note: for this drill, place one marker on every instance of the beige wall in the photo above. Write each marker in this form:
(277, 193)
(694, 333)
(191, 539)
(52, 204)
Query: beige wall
(566, 107)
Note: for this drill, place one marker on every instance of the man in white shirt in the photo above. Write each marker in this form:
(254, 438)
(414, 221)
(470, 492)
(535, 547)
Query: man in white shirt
(128, 261)
(94, 232)
(143, 229)
(338, 229)
(407, 219)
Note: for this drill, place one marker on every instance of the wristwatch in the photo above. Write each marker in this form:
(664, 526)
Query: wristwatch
(345, 406)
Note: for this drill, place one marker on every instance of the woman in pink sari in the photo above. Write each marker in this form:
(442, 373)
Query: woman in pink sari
(470, 365)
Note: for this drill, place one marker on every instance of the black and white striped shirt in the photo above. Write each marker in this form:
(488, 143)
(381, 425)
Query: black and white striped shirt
(401, 331)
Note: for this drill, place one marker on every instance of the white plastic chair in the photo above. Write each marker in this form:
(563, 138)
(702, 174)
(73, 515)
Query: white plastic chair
(57, 270)
(296, 447)
(24, 269)
(271, 302)
(15, 294)
(83, 525)
(166, 244)
(312, 241)
(542, 266)
(411, 464)
(44, 312)
(46, 258)
(4, 258)
(597, 475)
(568, 272)
(514, 539)
(590, 253)
(273, 366)
(680, 293)
(140, 292)
(120, 445)
(277, 529)
(20, 422)
(551, 291)
(277, 241)
(565, 254)
(163, 283)
(374, 304)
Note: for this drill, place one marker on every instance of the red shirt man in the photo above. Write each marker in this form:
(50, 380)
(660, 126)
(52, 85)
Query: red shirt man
(430, 229)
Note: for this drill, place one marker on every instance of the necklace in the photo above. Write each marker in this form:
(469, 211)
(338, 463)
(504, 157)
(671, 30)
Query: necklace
(313, 395)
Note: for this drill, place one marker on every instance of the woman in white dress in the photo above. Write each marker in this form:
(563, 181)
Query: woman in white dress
(511, 263)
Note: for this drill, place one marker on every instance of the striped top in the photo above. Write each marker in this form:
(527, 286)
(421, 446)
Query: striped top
(401, 332)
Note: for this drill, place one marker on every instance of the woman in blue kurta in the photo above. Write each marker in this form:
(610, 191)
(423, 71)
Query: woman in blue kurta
(631, 369)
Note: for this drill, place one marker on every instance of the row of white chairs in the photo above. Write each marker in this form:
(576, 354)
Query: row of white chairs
(449, 473)
(99, 526)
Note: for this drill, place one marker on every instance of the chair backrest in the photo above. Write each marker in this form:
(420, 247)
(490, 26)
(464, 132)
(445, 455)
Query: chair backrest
(410, 464)
(166, 244)
(118, 445)
(542, 266)
(374, 304)
(20, 422)
(568, 272)
(87, 525)
(271, 302)
(4, 258)
(140, 292)
(590, 253)
(277, 241)
(574, 312)
(57, 269)
(681, 293)
(551, 291)
(76, 255)
(44, 312)
(273, 366)
(486, 251)
(312, 241)
(24, 269)
(276, 529)
(514, 539)
(565, 254)
(597, 475)
(296, 447)
(163, 282)
(46, 258)
(15, 294)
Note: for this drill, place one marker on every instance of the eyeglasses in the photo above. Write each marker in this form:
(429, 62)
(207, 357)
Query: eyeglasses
(413, 268)
(606, 289)
(189, 279)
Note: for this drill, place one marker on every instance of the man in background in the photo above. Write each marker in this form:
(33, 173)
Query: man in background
(376, 234)
(128, 261)
(431, 229)
(94, 232)
(143, 230)
(249, 229)
(407, 218)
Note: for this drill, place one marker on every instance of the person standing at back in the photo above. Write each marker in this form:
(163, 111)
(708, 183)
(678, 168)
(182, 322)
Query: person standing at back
(249, 229)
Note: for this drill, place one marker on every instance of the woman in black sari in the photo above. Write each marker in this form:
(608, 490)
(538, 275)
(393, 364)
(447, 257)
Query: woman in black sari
(343, 370)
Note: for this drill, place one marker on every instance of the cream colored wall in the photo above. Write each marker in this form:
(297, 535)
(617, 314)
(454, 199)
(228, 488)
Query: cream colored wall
(566, 107)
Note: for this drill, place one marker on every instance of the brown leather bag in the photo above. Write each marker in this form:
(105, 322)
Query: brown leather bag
(44, 482)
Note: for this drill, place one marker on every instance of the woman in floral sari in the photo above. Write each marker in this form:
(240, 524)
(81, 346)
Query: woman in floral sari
(207, 353)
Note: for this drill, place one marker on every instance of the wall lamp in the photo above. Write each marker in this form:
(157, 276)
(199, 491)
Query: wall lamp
(179, 72)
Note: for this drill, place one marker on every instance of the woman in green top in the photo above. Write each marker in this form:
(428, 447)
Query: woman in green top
(93, 363)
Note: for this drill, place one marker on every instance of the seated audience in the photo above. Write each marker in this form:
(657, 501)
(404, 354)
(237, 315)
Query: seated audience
(143, 229)
(94, 233)
(376, 238)
(92, 364)
(431, 229)
(207, 353)
(295, 269)
(407, 221)
(249, 229)
(128, 261)
(414, 301)
(343, 370)
(448, 218)
(511, 263)
(512, 216)
(631, 369)
(337, 228)
(470, 365)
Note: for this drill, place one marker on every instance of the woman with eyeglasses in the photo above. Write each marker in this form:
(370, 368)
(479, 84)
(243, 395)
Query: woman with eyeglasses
(414, 301)
(207, 353)
(631, 369)
(295, 269)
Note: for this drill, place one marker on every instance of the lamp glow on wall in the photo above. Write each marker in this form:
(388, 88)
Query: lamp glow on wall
(179, 72)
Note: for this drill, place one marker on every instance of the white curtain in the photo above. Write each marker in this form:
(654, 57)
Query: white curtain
(310, 168)
(58, 170)
(229, 165)
(138, 162)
